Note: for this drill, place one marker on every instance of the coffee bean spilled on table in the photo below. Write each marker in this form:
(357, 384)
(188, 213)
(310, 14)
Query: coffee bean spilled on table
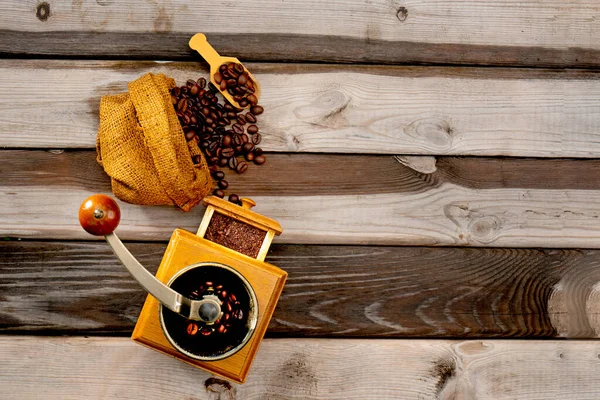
(228, 136)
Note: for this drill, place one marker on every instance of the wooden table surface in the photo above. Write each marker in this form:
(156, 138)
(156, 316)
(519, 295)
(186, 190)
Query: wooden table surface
(434, 165)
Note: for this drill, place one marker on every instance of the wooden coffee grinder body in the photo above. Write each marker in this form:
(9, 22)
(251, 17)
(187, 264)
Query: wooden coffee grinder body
(186, 249)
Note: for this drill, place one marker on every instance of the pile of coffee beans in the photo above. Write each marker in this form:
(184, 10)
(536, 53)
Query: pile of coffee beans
(231, 308)
(228, 136)
(234, 78)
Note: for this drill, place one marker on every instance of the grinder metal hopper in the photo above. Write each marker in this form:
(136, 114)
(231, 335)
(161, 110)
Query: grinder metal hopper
(213, 295)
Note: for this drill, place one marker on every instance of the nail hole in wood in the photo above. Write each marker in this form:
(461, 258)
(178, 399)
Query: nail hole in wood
(43, 11)
(402, 14)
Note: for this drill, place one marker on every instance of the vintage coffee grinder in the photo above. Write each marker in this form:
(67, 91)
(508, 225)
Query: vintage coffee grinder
(213, 295)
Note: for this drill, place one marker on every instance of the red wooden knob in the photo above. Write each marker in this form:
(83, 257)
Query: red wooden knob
(99, 215)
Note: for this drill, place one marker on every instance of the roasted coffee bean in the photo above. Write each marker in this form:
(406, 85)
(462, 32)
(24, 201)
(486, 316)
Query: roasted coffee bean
(219, 193)
(223, 85)
(243, 103)
(233, 163)
(174, 99)
(195, 89)
(182, 105)
(250, 118)
(238, 149)
(223, 184)
(248, 147)
(190, 82)
(196, 159)
(213, 160)
(237, 128)
(242, 79)
(205, 111)
(237, 139)
(256, 139)
(234, 198)
(242, 167)
(245, 139)
(218, 78)
(189, 135)
(260, 160)
(253, 99)
(209, 121)
(204, 144)
(223, 162)
(206, 331)
(227, 152)
(249, 156)
(226, 142)
(212, 146)
(257, 110)
(201, 82)
(252, 129)
(192, 329)
(241, 120)
(218, 175)
(238, 67)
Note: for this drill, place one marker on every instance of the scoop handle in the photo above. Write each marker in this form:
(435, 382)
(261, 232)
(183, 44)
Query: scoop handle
(199, 43)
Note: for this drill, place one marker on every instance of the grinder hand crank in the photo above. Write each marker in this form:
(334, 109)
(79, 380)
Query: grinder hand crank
(99, 215)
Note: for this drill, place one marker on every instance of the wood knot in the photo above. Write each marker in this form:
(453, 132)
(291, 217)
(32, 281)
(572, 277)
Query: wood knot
(43, 11)
(327, 110)
(221, 388)
(402, 14)
(437, 132)
(485, 229)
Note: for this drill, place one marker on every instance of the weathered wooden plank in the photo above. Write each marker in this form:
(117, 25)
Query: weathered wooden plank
(111, 368)
(334, 174)
(419, 208)
(340, 291)
(474, 32)
(334, 109)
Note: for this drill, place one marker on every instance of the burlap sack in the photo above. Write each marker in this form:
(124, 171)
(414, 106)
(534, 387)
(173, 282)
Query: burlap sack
(141, 146)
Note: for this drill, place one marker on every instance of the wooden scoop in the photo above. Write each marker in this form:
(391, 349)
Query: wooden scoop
(199, 43)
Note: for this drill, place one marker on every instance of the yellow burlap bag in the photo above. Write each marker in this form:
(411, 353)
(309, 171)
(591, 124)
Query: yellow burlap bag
(142, 147)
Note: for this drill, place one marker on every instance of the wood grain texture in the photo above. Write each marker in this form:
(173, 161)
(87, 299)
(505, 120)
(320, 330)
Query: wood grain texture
(334, 109)
(547, 207)
(339, 291)
(111, 368)
(473, 32)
